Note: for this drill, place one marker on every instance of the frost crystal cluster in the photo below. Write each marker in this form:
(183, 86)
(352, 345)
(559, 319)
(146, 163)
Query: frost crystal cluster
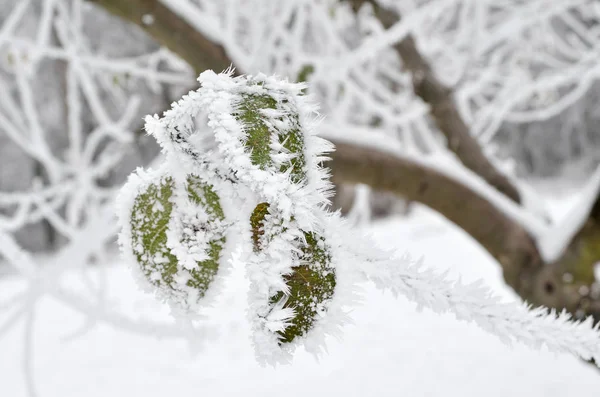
(243, 172)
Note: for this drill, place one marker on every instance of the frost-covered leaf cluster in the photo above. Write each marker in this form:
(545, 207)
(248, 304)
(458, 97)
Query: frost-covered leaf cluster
(250, 141)
(243, 164)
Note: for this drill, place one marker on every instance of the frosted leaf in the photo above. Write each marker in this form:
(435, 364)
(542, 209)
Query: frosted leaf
(308, 285)
(273, 130)
(311, 285)
(176, 233)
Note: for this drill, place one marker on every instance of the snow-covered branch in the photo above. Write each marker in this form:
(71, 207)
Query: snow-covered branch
(244, 150)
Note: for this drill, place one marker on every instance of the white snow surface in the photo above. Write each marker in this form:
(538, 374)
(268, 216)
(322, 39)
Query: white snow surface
(390, 349)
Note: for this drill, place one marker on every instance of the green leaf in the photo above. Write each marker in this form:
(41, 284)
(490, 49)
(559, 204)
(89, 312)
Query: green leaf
(258, 136)
(258, 133)
(311, 283)
(305, 73)
(150, 217)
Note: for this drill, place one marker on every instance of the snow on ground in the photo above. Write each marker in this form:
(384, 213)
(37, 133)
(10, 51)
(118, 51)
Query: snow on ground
(391, 349)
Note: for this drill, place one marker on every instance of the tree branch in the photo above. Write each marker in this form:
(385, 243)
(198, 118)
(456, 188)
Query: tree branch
(171, 31)
(506, 240)
(442, 106)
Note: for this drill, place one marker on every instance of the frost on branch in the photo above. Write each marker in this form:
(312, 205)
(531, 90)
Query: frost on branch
(242, 157)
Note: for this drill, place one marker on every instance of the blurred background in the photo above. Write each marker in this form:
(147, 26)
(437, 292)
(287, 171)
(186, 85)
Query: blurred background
(519, 79)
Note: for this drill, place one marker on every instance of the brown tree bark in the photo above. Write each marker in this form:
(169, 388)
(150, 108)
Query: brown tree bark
(508, 242)
(171, 31)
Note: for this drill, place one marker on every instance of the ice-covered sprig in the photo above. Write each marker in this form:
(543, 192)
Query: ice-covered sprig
(241, 155)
